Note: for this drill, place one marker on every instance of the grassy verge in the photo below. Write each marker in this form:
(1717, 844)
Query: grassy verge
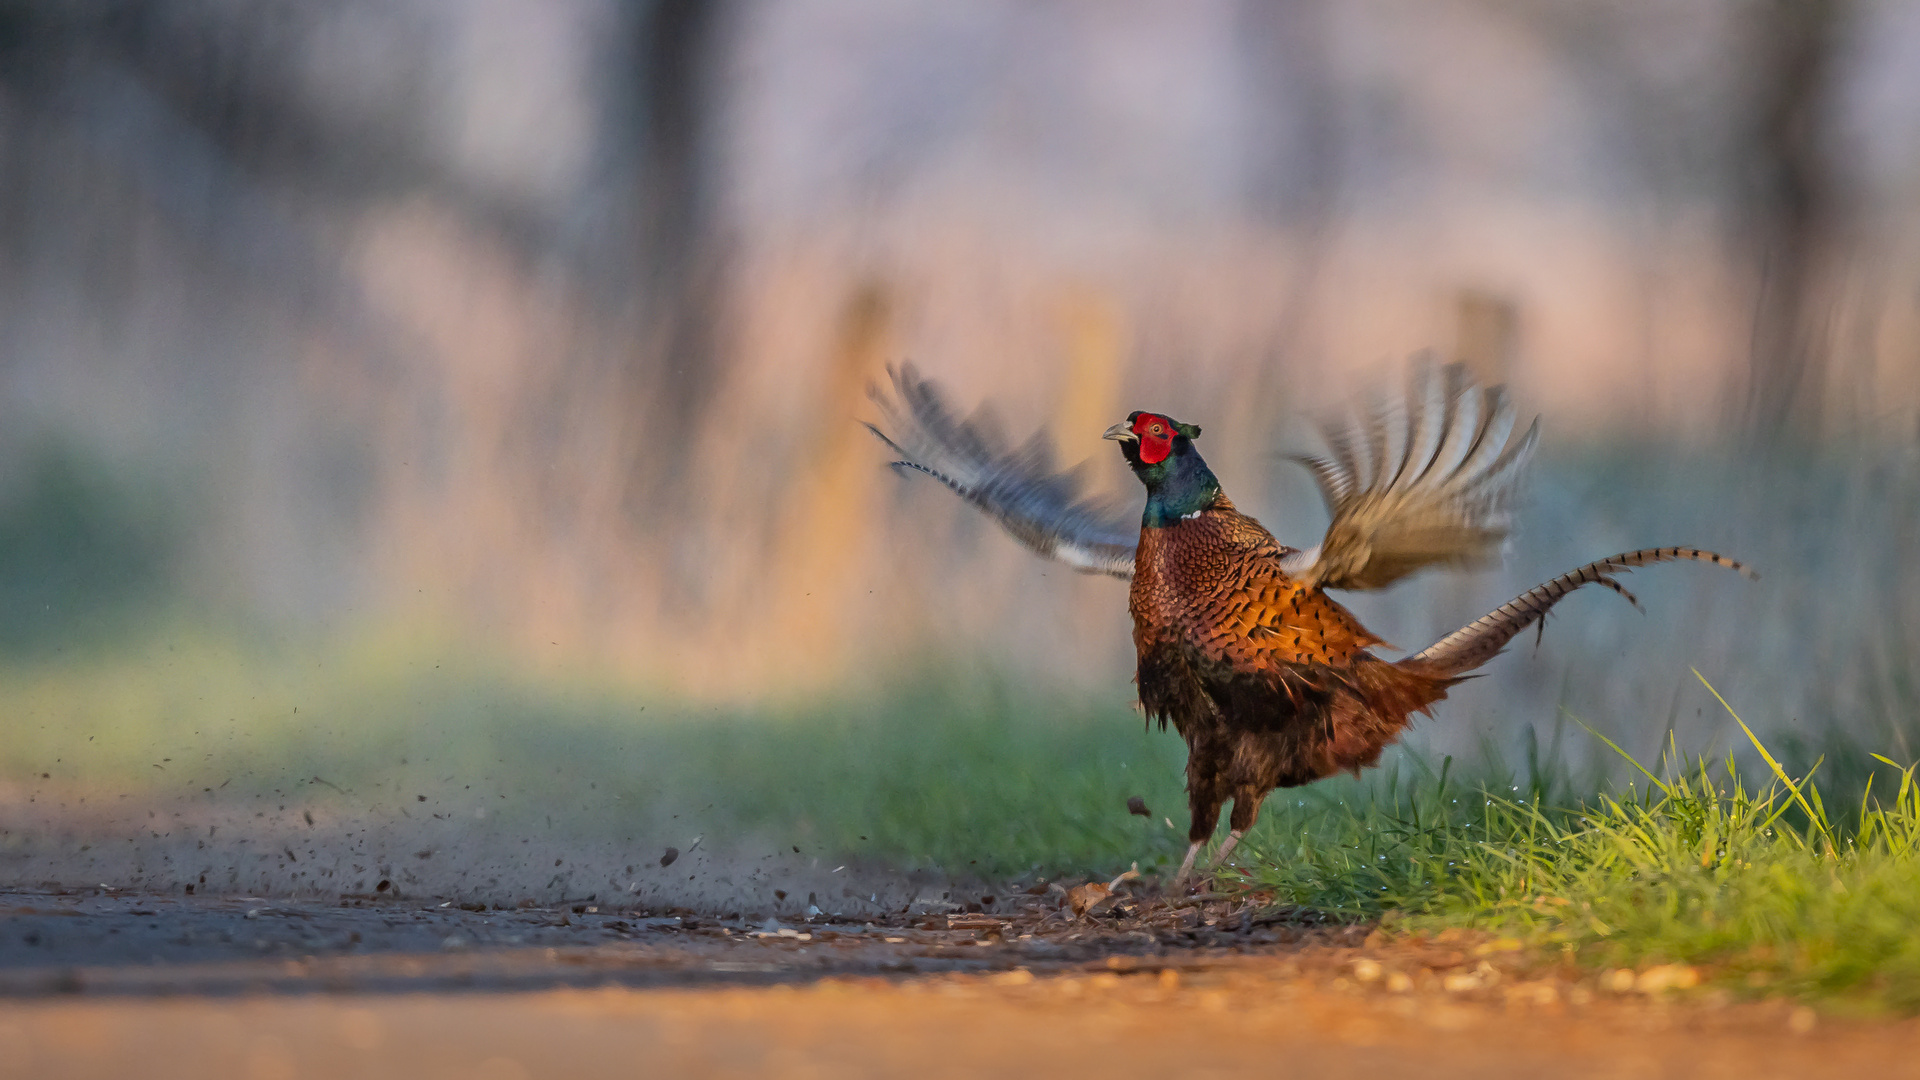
(1772, 884)
(1767, 884)
(980, 777)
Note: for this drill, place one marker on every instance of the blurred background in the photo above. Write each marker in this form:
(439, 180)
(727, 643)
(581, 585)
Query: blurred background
(407, 399)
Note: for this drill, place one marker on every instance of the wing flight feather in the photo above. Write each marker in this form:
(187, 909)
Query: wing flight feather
(1041, 506)
(1429, 482)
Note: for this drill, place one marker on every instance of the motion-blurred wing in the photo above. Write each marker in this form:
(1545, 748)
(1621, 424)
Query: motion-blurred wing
(1019, 488)
(1428, 483)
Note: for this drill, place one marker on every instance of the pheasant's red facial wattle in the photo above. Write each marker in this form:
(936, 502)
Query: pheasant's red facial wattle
(1156, 437)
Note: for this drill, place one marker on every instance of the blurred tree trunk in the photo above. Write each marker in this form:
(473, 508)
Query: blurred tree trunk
(676, 47)
(1297, 174)
(1787, 214)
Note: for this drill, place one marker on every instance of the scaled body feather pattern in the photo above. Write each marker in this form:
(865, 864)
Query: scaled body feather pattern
(1268, 679)
(1218, 580)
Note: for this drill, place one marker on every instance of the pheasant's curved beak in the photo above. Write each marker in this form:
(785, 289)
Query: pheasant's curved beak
(1121, 432)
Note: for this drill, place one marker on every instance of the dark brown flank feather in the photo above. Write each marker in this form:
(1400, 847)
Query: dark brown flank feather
(1268, 680)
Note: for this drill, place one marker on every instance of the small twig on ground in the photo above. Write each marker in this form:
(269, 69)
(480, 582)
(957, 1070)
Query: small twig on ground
(1197, 899)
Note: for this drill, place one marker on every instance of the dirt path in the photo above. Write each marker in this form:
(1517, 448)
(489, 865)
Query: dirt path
(114, 985)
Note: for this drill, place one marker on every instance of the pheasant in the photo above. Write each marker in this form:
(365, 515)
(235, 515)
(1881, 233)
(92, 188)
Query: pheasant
(1271, 682)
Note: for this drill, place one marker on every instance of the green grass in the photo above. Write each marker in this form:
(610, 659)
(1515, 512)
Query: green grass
(1768, 884)
(1794, 884)
(980, 778)
(84, 549)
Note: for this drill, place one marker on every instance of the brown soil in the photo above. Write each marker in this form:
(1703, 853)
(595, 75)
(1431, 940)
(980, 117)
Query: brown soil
(104, 984)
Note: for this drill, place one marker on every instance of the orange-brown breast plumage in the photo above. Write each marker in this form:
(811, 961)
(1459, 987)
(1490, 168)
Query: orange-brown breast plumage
(1215, 583)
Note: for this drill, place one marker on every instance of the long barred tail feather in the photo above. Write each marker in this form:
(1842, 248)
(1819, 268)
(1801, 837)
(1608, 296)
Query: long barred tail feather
(1480, 640)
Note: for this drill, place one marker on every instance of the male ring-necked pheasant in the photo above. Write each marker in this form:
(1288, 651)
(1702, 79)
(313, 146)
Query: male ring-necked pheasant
(1269, 680)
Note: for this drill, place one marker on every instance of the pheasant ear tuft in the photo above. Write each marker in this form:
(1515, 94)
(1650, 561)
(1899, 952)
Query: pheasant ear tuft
(1191, 431)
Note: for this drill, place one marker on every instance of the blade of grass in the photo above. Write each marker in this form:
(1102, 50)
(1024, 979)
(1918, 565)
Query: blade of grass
(1818, 820)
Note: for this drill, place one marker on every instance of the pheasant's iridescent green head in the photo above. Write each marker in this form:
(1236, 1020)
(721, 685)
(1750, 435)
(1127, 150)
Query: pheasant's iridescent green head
(1150, 438)
(1160, 449)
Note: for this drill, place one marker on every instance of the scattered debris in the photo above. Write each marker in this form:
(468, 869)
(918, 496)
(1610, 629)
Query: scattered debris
(972, 922)
(1138, 806)
(1094, 895)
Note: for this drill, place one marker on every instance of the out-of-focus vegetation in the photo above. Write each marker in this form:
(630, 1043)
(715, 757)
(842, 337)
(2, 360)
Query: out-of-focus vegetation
(984, 779)
(553, 320)
(85, 553)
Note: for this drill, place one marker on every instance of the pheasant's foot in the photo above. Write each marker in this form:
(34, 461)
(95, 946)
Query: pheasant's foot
(1208, 882)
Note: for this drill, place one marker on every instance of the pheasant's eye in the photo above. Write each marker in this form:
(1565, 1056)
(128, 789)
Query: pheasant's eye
(1158, 430)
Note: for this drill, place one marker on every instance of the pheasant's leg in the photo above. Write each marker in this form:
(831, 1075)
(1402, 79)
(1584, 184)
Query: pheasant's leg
(1186, 864)
(1246, 810)
(1226, 849)
(1203, 802)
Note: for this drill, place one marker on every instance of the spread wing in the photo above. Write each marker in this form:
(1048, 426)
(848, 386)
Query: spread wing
(1426, 483)
(1042, 507)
